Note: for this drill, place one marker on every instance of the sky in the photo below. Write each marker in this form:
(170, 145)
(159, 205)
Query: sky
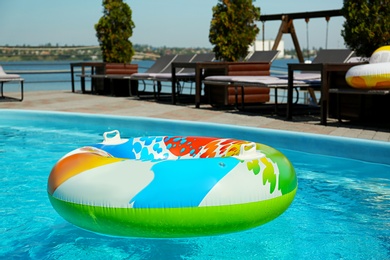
(170, 23)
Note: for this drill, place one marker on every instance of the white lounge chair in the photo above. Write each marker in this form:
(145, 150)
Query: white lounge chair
(4, 78)
(161, 65)
(184, 74)
(258, 81)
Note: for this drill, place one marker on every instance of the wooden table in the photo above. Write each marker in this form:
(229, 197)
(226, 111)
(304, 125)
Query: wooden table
(198, 67)
(83, 65)
(326, 71)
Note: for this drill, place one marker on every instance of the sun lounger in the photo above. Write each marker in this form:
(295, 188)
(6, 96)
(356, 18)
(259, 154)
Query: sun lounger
(162, 66)
(166, 75)
(220, 94)
(333, 56)
(189, 73)
(256, 81)
(4, 78)
(184, 74)
(266, 56)
(325, 56)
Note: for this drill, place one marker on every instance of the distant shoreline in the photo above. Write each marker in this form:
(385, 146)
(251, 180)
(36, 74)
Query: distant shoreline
(61, 58)
(88, 53)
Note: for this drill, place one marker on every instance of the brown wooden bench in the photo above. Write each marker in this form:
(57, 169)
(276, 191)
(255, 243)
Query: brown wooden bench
(343, 102)
(349, 103)
(229, 95)
(114, 79)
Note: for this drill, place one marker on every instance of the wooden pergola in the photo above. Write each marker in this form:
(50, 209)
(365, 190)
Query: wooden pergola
(287, 25)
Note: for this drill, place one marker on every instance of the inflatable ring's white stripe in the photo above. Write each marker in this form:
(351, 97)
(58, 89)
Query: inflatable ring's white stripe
(367, 76)
(373, 69)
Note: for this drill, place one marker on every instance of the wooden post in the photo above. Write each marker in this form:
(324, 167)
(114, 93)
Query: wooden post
(296, 42)
(279, 35)
(287, 26)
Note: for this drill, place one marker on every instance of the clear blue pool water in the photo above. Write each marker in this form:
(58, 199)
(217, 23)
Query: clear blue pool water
(341, 211)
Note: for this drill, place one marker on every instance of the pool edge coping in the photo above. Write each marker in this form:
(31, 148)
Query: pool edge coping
(347, 147)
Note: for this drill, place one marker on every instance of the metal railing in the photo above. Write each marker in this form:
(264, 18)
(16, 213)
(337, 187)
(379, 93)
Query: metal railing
(43, 74)
(40, 72)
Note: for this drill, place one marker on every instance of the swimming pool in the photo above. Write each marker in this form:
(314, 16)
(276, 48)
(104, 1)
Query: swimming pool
(342, 207)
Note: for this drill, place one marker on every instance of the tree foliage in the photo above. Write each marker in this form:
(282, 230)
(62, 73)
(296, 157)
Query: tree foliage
(113, 31)
(367, 25)
(233, 28)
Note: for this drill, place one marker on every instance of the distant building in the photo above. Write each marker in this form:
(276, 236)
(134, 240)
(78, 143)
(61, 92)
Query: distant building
(268, 44)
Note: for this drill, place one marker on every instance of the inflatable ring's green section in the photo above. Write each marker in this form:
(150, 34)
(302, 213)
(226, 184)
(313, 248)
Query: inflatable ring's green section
(287, 178)
(172, 222)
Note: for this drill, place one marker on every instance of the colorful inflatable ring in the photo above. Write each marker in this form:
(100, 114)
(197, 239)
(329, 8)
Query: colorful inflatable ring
(171, 186)
(375, 75)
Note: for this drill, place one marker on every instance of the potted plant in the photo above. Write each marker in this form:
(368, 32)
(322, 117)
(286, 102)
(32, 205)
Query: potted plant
(113, 31)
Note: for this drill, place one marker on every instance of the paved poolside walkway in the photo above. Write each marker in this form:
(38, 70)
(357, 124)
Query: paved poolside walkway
(75, 102)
